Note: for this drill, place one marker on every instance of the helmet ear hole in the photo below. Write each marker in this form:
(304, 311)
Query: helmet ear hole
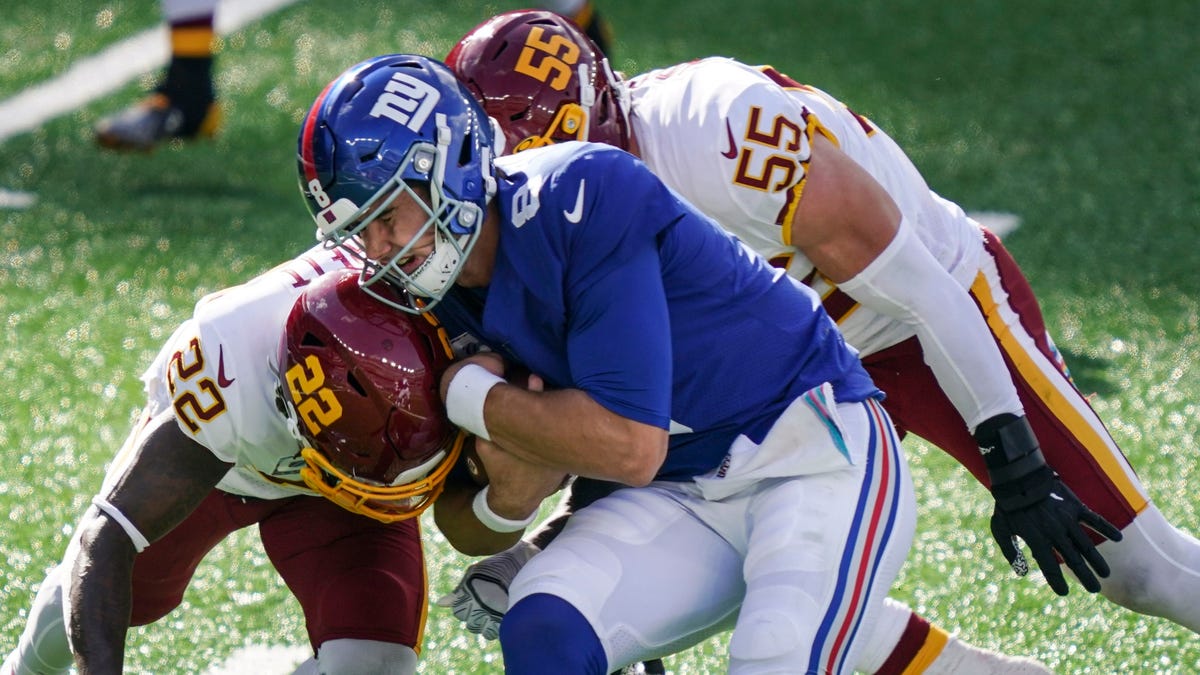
(359, 382)
(464, 153)
(356, 384)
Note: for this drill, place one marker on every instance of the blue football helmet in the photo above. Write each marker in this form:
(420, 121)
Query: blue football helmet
(380, 127)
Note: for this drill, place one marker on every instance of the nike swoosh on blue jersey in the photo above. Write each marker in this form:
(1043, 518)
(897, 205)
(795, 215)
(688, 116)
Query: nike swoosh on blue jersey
(576, 214)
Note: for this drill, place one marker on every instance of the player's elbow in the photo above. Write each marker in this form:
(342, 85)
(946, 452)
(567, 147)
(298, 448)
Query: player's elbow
(644, 456)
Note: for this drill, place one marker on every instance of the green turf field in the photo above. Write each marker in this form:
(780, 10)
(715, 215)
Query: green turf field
(1079, 117)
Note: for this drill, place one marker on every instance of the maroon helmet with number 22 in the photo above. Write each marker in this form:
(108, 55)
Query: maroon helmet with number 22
(360, 383)
(542, 79)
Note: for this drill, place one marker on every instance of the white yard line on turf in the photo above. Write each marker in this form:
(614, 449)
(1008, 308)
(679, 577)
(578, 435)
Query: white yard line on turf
(15, 199)
(90, 78)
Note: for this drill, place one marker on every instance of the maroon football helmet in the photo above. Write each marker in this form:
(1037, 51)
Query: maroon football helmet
(360, 383)
(542, 79)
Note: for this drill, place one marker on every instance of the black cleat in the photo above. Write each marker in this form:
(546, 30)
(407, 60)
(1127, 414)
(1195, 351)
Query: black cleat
(151, 121)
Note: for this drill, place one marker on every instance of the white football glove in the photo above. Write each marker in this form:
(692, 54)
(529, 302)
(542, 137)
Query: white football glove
(481, 597)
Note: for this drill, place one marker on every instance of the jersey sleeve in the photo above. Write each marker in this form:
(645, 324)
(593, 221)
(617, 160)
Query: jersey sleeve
(729, 139)
(216, 372)
(188, 376)
(579, 263)
(601, 213)
(618, 332)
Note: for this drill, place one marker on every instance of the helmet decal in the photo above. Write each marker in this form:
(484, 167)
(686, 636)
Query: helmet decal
(358, 382)
(406, 100)
(543, 80)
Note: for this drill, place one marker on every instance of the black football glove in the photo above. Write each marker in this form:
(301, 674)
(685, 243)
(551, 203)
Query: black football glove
(1034, 505)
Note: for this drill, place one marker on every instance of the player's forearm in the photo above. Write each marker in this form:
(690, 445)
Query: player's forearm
(99, 604)
(853, 231)
(454, 517)
(908, 284)
(567, 430)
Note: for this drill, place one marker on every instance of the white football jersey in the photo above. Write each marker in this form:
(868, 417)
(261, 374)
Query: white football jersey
(735, 140)
(219, 371)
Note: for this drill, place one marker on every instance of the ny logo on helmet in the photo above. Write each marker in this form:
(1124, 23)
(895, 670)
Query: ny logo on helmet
(406, 100)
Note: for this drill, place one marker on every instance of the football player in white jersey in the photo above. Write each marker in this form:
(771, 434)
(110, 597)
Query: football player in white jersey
(942, 316)
(294, 402)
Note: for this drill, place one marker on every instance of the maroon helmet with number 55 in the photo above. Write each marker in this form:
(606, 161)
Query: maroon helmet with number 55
(543, 80)
(359, 383)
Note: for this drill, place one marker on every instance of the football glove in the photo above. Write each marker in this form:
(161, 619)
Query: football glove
(1032, 504)
(481, 597)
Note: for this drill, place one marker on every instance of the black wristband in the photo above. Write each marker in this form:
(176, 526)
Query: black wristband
(1005, 439)
(1018, 468)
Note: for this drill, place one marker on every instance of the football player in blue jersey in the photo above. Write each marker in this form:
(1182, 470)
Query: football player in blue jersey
(767, 492)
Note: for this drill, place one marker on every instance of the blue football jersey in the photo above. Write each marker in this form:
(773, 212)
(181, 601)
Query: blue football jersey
(606, 281)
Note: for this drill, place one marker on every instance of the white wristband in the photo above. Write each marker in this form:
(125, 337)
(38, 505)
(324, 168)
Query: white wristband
(465, 396)
(139, 540)
(493, 522)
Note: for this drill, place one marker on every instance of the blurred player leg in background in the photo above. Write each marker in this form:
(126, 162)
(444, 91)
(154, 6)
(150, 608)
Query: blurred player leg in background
(584, 14)
(43, 648)
(184, 104)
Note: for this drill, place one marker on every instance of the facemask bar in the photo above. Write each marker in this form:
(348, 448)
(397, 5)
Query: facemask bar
(383, 503)
(455, 224)
(572, 122)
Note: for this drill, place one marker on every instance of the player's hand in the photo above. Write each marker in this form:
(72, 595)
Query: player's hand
(517, 487)
(1034, 505)
(516, 483)
(481, 597)
(489, 361)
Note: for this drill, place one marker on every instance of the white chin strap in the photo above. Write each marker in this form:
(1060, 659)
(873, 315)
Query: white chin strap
(435, 274)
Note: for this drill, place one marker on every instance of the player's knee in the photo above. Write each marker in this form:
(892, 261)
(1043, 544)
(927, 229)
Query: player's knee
(365, 657)
(1154, 569)
(767, 638)
(543, 633)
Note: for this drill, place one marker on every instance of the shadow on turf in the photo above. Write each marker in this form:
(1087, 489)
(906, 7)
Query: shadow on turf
(1089, 372)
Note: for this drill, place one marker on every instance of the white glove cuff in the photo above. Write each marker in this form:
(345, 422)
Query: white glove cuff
(465, 397)
(494, 522)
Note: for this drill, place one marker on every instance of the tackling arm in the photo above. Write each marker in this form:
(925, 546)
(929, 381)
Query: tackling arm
(167, 476)
(853, 232)
(454, 515)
